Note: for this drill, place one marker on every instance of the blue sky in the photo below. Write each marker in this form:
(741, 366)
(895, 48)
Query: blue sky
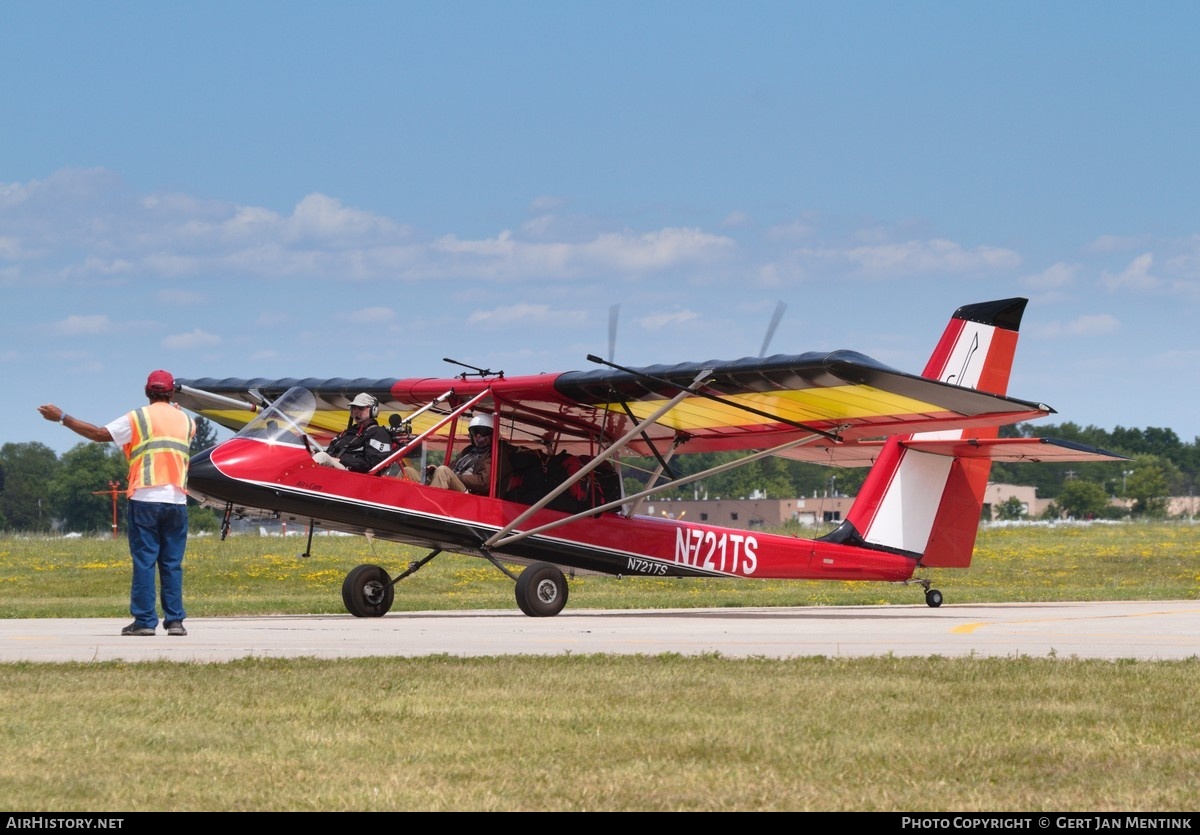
(359, 189)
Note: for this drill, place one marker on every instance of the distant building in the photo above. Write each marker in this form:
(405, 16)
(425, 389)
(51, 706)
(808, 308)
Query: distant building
(753, 514)
(769, 514)
(1185, 507)
(998, 494)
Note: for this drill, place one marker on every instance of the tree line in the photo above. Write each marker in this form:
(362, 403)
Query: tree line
(1161, 466)
(41, 491)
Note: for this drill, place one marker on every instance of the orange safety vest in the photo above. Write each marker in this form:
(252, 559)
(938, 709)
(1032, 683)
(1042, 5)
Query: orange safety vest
(158, 453)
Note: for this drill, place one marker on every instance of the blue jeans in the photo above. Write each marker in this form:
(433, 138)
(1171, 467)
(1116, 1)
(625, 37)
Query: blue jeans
(157, 538)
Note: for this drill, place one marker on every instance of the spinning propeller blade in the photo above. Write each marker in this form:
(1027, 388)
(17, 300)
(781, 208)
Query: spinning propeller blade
(613, 312)
(780, 307)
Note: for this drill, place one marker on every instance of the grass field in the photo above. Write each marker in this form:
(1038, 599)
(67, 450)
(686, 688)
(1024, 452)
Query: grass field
(596, 732)
(256, 575)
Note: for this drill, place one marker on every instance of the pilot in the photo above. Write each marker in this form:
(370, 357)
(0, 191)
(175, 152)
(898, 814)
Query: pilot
(472, 470)
(363, 444)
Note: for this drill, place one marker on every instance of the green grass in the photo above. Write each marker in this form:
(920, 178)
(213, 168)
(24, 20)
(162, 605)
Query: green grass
(618, 733)
(257, 575)
(601, 733)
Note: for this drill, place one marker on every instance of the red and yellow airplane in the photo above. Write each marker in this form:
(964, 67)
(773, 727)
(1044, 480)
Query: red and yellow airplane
(929, 441)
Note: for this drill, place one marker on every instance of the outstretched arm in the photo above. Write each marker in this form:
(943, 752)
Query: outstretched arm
(80, 427)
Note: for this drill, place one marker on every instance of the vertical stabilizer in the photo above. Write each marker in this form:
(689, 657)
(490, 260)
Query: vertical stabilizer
(926, 504)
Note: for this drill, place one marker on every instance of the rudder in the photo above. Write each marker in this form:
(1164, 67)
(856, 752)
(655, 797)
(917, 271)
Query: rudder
(929, 505)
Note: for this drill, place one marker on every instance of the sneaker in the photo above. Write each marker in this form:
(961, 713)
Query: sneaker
(134, 629)
(175, 627)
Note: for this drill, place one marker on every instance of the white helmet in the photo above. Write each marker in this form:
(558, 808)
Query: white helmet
(481, 422)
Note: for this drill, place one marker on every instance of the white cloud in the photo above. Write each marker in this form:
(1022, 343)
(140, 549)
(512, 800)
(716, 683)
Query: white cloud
(1136, 276)
(193, 340)
(801, 229)
(1098, 324)
(1116, 243)
(935, 256)
(524, 315)
(547, 203)
(270, 319)
(540, 227)
(91, 325)
(1183, 360)
(501, 245)
(915, 257)
(11, 249)
(179, 297)
(657, 250)
(1055, 277)
(664, 320)
(507, 257)
(369, 316)
(321, 218)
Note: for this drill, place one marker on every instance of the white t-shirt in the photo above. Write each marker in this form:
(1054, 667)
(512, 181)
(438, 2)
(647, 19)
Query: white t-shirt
(121, 430)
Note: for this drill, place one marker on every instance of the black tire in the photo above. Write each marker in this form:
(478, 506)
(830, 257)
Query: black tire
(541, 590)
(933, 598)
(368, 592)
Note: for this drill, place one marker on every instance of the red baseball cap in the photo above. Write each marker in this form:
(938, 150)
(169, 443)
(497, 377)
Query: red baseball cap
(160, 381)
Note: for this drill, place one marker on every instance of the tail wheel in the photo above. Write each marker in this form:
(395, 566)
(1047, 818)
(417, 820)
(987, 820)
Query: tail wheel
(933, 598)
(368, 592)
(541, 590)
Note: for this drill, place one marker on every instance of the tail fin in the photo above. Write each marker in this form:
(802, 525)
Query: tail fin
(929, 505)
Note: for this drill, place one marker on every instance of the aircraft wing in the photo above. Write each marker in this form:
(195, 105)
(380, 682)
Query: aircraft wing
(1008, 450)
(744, 404)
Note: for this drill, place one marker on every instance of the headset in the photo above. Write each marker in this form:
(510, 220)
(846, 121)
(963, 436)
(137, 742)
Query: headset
(373, 403)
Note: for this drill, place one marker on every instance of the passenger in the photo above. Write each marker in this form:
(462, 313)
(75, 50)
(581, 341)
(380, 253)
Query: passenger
(472, 470)
(363, 444)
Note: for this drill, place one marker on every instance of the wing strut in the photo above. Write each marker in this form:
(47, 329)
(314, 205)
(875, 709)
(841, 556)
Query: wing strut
(663, 466)
(596, 462)
(221, 401)
(830, 435)
(653, 479)
(496, 542)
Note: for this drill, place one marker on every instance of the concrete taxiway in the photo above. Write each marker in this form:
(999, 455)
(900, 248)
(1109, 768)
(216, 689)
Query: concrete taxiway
(1144, 630)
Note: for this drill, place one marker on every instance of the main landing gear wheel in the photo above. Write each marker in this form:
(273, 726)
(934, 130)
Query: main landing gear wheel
(933, 598)
(368, 592)
(541, 590)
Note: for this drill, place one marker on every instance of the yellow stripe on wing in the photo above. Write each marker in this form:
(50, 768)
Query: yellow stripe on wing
(837, 404)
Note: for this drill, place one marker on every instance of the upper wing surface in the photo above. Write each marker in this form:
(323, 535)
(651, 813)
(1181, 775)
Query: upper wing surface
(750, 403)
(758, 402)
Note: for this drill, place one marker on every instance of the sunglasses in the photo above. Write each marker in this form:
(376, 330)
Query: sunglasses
(479, 431)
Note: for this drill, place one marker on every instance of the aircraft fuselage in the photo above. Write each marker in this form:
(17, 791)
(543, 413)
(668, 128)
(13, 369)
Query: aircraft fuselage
(282, 478)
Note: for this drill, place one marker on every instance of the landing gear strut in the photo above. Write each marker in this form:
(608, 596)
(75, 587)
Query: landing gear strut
(368, 592)
(933, 597)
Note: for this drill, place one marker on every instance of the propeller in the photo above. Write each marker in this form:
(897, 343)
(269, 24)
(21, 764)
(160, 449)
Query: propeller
(613, 312)
(780, 307)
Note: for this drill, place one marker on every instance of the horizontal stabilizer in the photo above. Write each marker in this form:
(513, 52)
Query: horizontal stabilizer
(1009, 450)
(1015, 450)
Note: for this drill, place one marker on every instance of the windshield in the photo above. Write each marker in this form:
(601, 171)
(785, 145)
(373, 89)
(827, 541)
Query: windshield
(285, 421)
